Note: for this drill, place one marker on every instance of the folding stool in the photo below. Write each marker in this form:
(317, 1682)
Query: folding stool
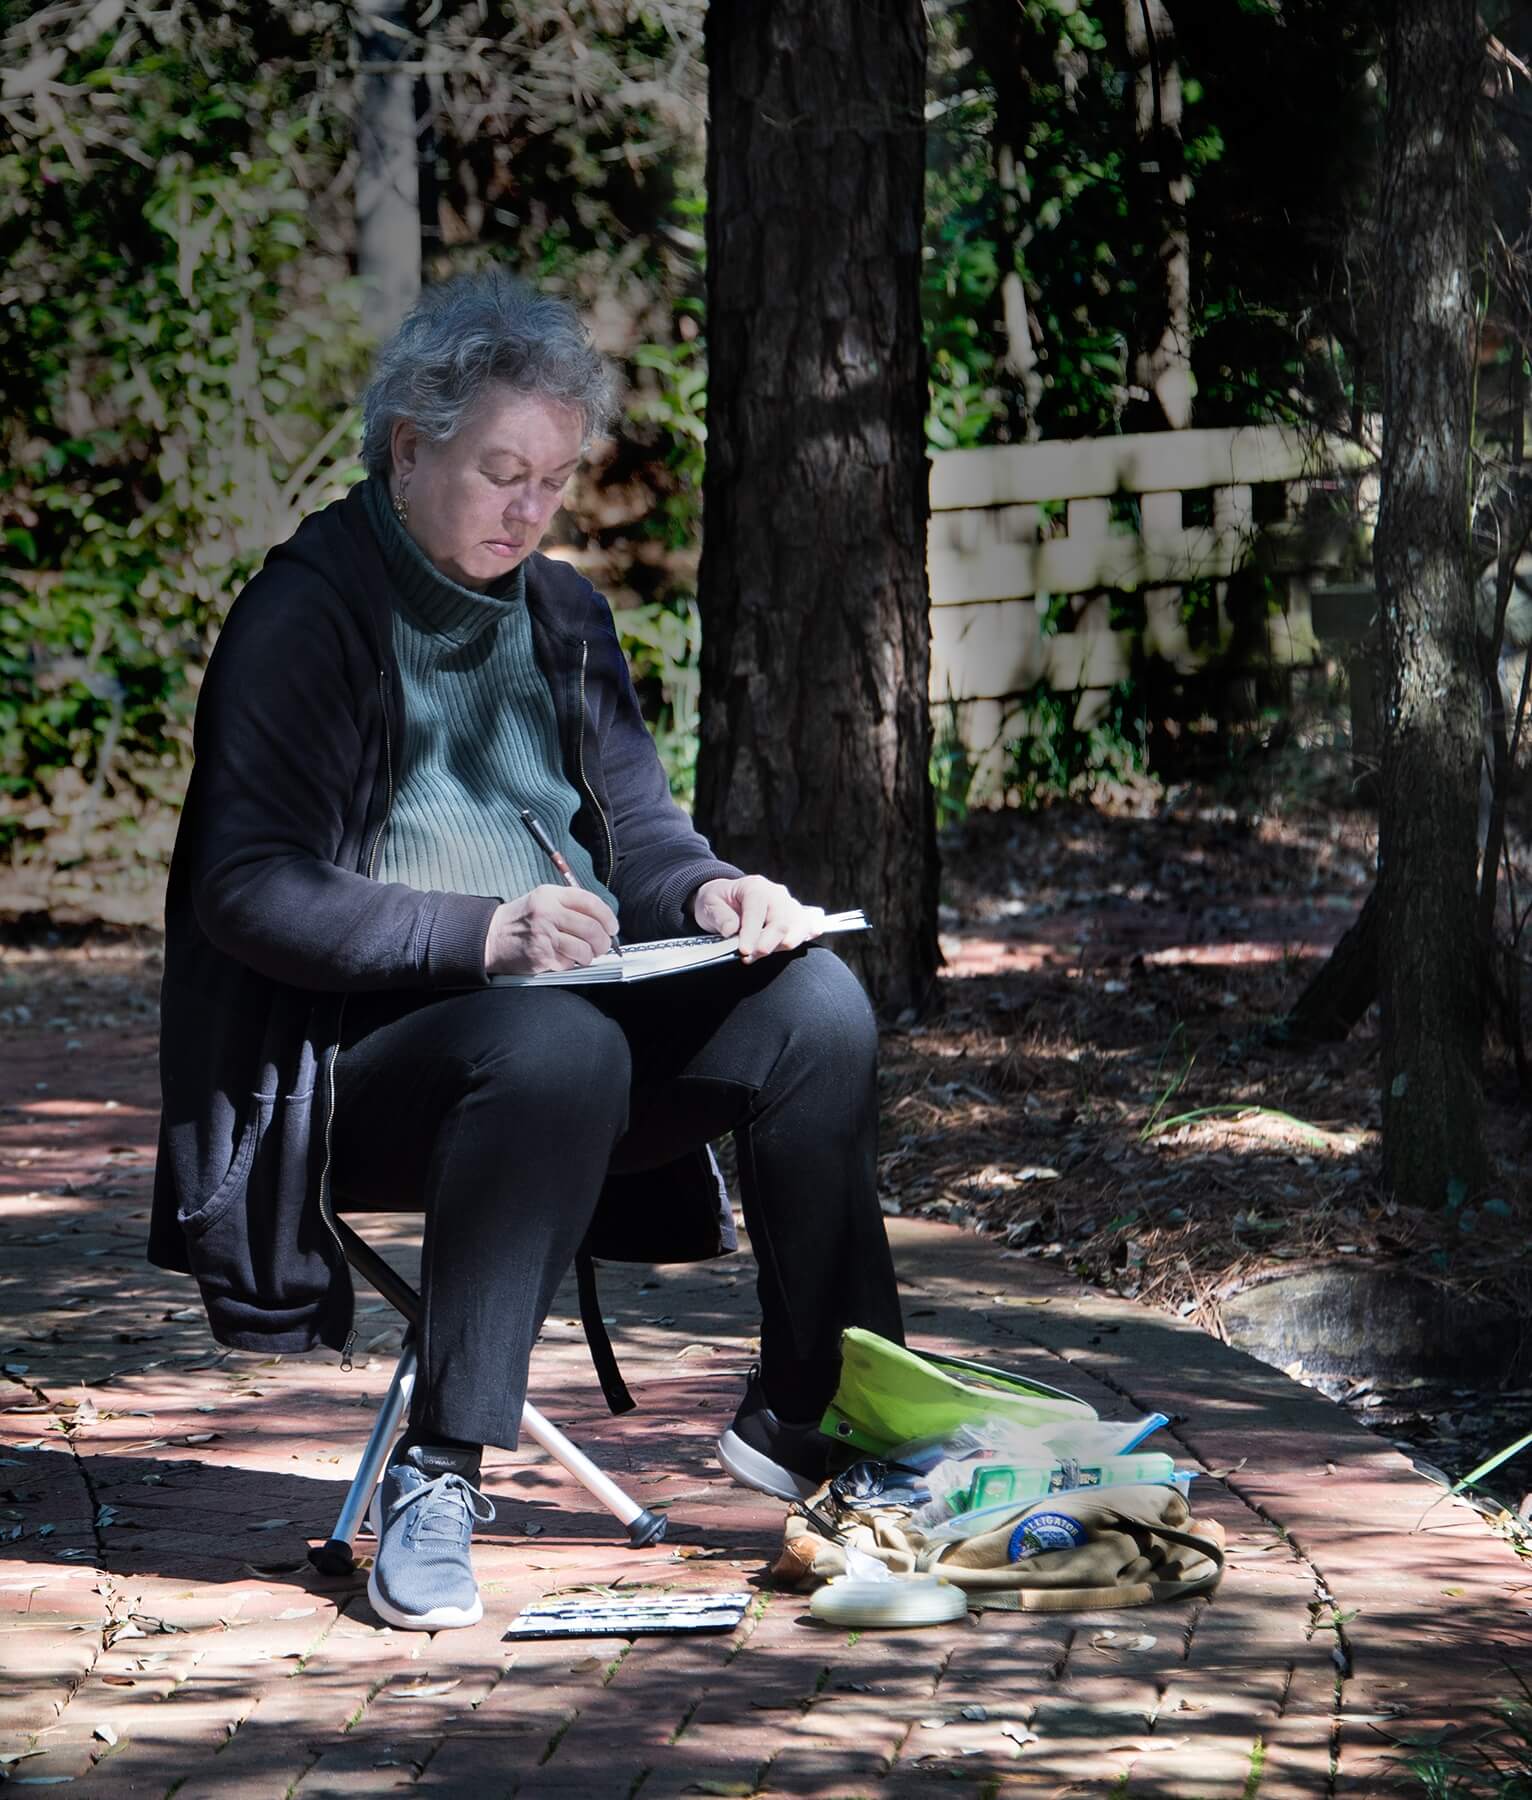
(336, 1556)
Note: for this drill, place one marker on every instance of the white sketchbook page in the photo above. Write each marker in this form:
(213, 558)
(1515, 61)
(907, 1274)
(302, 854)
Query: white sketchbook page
(664, 956)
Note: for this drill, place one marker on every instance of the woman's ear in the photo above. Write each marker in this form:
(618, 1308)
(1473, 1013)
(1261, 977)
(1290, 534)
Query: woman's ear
(402, 443)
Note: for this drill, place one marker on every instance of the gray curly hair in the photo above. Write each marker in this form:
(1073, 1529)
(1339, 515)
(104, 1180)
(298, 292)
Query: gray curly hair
(467, 332)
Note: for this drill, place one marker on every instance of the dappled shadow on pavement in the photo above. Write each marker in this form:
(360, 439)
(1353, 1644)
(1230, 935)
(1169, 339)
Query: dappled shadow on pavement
(171, 1608)
(164, 1629)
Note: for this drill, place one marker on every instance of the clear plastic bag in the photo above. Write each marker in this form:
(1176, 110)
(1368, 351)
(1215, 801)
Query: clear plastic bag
(995, 1459)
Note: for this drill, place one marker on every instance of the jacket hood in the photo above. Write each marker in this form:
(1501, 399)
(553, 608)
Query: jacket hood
(337, 546)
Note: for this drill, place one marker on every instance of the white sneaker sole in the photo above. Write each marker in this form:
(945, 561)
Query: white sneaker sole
(753, 1470)
(439, 1618)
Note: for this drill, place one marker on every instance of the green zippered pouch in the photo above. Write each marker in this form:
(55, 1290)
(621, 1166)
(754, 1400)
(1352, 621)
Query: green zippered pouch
(889, 1395)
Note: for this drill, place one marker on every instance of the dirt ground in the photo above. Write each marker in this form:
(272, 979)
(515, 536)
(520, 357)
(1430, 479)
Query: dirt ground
(1096, 1085)
(1100, 1086)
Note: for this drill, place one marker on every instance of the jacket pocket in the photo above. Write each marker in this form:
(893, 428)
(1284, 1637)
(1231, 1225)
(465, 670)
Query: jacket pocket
(258, 1249)
(198, 1220)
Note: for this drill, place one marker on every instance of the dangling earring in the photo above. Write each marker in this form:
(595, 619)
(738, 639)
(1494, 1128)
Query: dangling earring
(402, 506)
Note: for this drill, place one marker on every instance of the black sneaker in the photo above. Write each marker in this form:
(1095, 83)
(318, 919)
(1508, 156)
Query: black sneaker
(775, 1456)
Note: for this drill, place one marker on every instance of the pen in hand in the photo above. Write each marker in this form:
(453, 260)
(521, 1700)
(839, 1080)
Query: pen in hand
(539, 836)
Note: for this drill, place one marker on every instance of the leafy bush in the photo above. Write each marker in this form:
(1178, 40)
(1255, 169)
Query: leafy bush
(952, 767)
(1057, 758)
(177, 343)
(181, 346)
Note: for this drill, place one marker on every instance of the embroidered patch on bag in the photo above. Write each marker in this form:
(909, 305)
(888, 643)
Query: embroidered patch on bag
(1045, 1531)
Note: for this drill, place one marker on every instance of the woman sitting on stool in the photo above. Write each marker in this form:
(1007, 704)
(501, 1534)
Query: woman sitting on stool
(403, 678)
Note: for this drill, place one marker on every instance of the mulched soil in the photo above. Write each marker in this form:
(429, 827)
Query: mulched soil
(1111, 974)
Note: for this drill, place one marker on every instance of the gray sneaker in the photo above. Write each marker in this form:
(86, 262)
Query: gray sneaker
(422, 1516)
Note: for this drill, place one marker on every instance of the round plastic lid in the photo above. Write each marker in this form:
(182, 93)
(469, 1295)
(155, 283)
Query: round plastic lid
(903, 1600)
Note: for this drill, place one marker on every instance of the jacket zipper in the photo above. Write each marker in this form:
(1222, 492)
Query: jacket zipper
(606, 832)
(326, 1207)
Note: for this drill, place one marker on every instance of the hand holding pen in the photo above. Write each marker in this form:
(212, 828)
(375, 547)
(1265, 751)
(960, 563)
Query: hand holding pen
(539, 835)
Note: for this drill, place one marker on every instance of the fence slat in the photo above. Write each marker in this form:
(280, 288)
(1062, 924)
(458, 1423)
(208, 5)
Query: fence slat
(997, 571)
(1143, 462)
(1070, 565)
(990, 650)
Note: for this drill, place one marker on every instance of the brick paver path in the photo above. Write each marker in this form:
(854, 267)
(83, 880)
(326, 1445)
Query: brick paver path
(163, 1633)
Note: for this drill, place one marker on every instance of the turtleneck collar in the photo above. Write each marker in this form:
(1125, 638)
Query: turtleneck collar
(435, 602)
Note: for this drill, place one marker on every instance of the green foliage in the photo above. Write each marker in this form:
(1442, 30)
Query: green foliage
(952, 768)
(1497, 1768)
(1060, 221)
(663, 638)
(675, 403)
(78, 685)
(181, 345)
(173, 385)
(1057, 758)
(1038, 171)
(663, 643)
(960, 275)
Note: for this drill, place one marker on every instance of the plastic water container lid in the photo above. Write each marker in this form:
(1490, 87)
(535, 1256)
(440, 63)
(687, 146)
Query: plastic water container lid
(901, 1600)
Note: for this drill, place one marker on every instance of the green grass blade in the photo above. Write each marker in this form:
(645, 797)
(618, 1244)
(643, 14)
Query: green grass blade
(1154, 1128)
(1488, 1468)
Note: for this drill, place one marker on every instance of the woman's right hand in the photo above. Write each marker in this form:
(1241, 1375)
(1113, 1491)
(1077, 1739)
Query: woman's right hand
(551, 928)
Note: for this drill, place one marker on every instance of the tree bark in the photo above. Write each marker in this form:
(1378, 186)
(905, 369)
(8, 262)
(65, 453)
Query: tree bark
(1010, 44)
(1430, 955)
(388, 168)
(1341, 991)
(1162, 360)
(815, 718)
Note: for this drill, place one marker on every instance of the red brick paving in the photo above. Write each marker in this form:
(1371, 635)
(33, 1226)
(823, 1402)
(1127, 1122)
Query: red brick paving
(164, 1633)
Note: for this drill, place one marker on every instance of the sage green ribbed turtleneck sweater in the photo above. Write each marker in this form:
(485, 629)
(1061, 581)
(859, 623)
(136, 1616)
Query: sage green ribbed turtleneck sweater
(480, 735)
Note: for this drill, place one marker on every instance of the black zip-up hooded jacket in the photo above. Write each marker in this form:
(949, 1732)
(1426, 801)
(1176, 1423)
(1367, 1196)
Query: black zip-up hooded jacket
(272, 918)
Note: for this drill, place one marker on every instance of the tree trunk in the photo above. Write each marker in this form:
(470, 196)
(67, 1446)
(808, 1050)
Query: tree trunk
(388, 168)
(1162, 361)
(1340, 992)
(815, 718)
(1010, 44)
(1430, 957)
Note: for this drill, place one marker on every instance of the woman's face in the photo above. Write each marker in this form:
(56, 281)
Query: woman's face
(480, 503)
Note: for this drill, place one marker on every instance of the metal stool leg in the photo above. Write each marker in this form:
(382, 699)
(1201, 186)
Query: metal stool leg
(644, 1527)
(336, 1557)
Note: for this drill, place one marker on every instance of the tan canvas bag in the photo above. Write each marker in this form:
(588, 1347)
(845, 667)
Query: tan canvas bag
(1135, 1547)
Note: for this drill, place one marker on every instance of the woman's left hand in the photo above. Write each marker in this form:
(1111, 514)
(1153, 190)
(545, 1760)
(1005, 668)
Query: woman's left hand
(761, 913)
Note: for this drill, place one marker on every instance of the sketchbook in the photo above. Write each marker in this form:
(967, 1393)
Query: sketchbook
(666, 956)
(630, 1615)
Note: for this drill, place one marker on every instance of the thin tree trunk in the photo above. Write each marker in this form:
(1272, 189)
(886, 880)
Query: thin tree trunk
(815, 720)
(388, 172)
(1431, 961)
(1021, 356)
(1341, 991)
(1010, 43)
(1162, 362)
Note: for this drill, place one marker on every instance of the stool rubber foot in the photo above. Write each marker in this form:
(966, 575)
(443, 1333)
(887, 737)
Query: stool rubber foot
(333, 1557)
(647, 1528)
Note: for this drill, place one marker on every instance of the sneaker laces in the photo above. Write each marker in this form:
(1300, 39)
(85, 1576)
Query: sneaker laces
(452, 1505)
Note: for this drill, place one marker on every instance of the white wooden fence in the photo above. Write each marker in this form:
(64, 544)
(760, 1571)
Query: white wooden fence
(1015, 527)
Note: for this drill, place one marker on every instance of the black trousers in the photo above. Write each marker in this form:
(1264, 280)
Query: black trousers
(501, 1111)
